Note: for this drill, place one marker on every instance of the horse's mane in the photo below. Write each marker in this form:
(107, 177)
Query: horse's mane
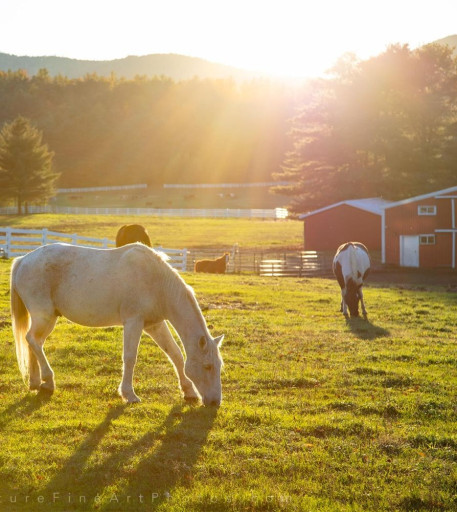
(173, 279)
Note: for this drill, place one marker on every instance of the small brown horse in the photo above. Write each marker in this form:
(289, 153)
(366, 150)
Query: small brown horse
(131, 233)
(217, 266)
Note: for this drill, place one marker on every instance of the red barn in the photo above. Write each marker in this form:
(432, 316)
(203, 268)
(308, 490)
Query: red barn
(421, 231)
(358, 220)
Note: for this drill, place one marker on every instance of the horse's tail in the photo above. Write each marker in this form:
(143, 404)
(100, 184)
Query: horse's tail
(21, 323)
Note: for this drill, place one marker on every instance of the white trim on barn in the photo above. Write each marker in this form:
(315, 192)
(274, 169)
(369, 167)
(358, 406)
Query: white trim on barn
(438, 194)
(374, 205)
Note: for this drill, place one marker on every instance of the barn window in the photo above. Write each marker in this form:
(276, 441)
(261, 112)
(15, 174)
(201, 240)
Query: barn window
(427, 239)
(426, 210)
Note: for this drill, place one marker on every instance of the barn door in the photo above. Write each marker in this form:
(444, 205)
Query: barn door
(409, 251)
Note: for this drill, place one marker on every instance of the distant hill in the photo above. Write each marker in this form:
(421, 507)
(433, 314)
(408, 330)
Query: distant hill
(450, 40)
(177, 67)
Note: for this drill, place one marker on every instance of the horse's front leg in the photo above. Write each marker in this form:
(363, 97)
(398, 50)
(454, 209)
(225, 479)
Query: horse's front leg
(163, 337)
(132, 334)
(343, 308)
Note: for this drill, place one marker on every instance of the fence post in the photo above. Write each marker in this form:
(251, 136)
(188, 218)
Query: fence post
(44, 236)
(8, 242)
(74, 239)
(184, 260)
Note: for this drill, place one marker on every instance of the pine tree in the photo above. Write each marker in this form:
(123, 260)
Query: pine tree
(26, 173)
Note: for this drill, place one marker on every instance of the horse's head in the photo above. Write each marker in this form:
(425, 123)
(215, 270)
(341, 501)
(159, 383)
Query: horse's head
(351, 297)
(203, 367)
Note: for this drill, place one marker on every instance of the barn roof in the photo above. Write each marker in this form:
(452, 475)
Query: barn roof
(450, 190)
(372, 204)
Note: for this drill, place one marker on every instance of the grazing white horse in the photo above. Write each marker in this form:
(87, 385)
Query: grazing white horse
(351, 266)
(132, 286)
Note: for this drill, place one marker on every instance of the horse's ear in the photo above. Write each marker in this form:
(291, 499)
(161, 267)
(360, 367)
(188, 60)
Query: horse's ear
(219, 340)
(202, 343)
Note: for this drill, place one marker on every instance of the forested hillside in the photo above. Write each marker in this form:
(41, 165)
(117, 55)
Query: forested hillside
(108, 131)
(177, 67)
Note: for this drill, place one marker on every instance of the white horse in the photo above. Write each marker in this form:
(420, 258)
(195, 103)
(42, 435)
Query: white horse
(132, 286)
(351, 266)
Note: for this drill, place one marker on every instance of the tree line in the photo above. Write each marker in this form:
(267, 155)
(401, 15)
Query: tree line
(110, 131)
(383, 127)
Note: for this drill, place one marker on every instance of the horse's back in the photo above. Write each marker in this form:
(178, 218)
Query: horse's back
(88, 286)
(351, 260)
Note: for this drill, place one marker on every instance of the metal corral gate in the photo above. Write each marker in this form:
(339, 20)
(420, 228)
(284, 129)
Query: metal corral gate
(17, 242)
(298, 264)
(267, 262)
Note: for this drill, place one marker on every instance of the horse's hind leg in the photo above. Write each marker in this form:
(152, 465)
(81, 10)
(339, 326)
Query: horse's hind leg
(163, 337)
(41, 374)
(34, 371)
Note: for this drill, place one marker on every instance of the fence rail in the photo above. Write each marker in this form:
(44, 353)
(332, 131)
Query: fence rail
(276, 213)
(17, 242)
(100, 189)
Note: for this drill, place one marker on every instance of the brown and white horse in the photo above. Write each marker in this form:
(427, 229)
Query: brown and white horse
(217, 266)
(351, 266)
(131, 233)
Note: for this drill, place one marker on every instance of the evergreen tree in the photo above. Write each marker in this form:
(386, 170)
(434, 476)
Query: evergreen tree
(26, 173)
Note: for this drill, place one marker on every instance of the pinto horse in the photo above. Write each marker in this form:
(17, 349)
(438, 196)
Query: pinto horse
(132, 286)
(351, 266)
(217, 266)
(131, 233)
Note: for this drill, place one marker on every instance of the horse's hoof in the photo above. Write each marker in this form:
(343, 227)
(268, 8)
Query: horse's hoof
(131, 398)
(191, 400)
(44, 392)
(47, 387)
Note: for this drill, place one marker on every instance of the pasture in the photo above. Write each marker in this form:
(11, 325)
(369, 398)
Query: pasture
(319, 413)
(176, 233)
(159, 197)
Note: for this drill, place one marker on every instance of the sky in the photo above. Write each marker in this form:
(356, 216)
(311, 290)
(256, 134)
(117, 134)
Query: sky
(296, 38)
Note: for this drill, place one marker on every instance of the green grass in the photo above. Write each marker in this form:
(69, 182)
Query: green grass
(173, 232)
(319, 413)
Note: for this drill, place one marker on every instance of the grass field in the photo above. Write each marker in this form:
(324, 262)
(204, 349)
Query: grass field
(173, 232)
(159, 197)
(319, 413)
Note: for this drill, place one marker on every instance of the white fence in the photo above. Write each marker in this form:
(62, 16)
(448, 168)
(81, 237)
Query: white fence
(100, 189)
(276, 213)
(16, 242)
(226, 185)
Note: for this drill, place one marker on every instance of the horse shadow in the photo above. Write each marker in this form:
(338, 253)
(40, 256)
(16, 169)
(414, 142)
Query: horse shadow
(171, 453)
(150, 467)
(364, 329)
(24, 407)
(70, 476)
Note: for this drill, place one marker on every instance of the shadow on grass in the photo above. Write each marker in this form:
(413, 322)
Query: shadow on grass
(167, 457)
(364, 329)
(147, 469)
(24, 407)
(69, 479)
